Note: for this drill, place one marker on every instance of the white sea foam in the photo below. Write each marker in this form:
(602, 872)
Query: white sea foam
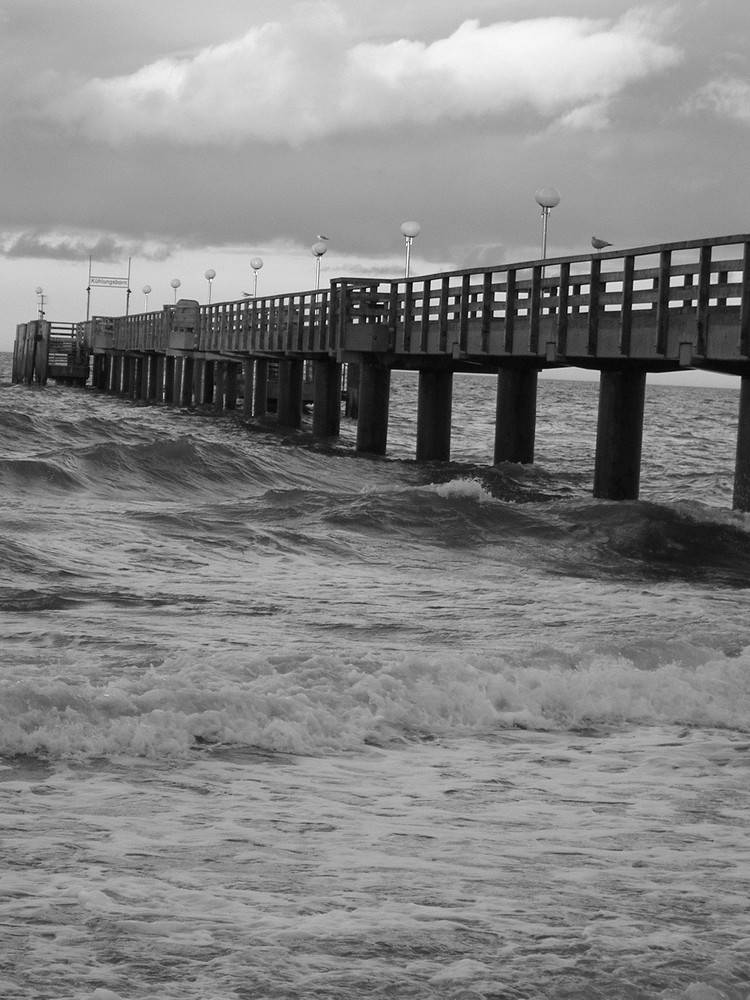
(471, 489)
(318, 704)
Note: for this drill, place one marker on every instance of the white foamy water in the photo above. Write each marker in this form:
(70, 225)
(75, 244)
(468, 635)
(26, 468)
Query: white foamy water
(277, 721)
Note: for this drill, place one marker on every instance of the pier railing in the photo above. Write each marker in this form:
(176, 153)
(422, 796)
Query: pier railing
(681, 302)
(685, 303)
(276, 324)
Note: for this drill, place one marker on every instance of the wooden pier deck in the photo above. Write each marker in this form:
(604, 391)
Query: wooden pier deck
(623, 313)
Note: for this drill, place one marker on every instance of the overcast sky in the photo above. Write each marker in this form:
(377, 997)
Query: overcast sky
(189, 135)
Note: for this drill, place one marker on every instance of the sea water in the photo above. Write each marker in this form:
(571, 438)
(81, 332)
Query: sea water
(281, 721)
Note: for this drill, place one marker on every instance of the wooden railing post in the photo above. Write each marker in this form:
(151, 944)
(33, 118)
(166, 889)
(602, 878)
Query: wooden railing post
(407, 320)
(463, 323)
(510, 309)
(662, 301)
(595, 288)
(744, 345)
(535, 308)
(704, 297)
(443, 316)
(424, 340)
(562, 311)
(626, 303)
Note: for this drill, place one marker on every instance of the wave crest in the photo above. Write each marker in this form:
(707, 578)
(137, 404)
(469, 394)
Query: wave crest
(318, 705)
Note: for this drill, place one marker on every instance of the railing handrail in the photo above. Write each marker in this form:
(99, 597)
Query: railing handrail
(641, 251)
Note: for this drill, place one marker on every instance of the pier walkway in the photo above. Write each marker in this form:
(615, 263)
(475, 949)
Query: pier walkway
(623, 313)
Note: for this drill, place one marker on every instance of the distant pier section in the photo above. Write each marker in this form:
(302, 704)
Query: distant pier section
(623, 313)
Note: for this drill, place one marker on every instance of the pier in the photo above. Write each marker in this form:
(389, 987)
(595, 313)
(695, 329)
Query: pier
(623, 313)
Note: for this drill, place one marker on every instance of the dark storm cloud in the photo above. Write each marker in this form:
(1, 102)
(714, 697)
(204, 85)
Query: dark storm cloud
(51, 246)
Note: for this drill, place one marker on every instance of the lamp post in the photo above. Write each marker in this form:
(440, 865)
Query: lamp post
(318, 249)
(546, 198)
(409, 231)
(42, 298)
(146, 290)
(175, 283)
(209, 276)
(256, 264)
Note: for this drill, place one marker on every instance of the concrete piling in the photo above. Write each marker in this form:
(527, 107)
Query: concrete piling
(289, 396)
(741, 498)
(326, 399)
(515, 418)
(374, 402)
(434, 409)
(619, 435)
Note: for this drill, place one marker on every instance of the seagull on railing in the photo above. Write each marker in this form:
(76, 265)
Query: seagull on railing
(598, 244)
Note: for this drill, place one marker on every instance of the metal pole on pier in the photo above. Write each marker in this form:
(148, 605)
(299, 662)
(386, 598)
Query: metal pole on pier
(547, 198)
(209, 276)
(409, 231)
(127, 293)
(318, 249)
(256, 264)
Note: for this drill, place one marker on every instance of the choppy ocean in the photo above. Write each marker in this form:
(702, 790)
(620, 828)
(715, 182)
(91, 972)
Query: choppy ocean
(279, 721)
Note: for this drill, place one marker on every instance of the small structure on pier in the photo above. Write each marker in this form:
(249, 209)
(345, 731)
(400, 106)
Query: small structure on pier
(45, 350)
(623, 313)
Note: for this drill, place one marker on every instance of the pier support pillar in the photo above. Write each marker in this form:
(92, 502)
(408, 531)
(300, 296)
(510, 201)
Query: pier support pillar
(220, 385)
(188, 374)
(374, 400)
(135, 388)
(198, 366)
(116, 376)
(98, 372)
(351, 405)
(619, 435)
(260, 388)
(159, 380)
(153, 377)
(247, 388)
(209, 375)
(230, 401)
(326, 399)
(434, 407)
(128, 367)
(515, 418)
(289, 397)
(177, 389)
(169, 379)
(741, 499)
(143, 385)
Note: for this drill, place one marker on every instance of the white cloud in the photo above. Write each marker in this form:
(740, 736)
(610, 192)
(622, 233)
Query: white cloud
(308, 78)
(586, 116)
(729, 98)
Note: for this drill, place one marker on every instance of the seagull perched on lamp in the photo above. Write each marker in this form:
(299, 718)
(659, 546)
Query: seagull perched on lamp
(598, 244)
